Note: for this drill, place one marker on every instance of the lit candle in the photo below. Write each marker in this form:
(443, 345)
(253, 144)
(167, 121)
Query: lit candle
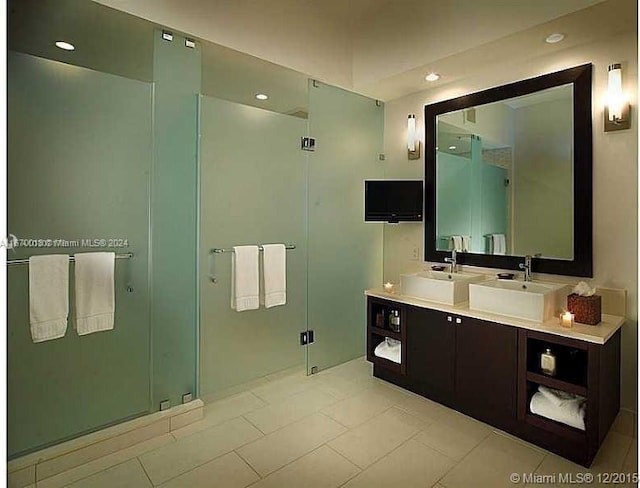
(566, 319)
(388, 287)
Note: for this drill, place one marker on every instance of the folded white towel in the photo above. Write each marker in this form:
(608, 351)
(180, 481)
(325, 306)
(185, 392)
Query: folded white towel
(95, 291)
(48, 296)
(390, 349)
(558, 397)
(571, 412)
(274, 273)
(245, 287)
(457, 243)
(499, 244)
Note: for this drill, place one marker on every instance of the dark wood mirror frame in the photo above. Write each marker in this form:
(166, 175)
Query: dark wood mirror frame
(582, 263)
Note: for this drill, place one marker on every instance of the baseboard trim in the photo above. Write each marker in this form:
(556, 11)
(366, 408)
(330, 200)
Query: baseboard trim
(67, 455)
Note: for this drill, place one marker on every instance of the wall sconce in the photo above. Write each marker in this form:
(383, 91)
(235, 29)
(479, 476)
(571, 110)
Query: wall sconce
(413, 144)
(617, 112)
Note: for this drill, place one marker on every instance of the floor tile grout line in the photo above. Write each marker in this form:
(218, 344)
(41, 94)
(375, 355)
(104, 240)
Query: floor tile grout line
(254, 425)
(144, 470)
(102, 457)
(245, 461)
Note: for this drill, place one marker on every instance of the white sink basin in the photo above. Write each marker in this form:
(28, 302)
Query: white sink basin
(438, 286)
(524, 300)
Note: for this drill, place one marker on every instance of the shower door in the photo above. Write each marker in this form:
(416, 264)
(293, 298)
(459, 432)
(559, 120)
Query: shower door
(253, 184)
(345, 253)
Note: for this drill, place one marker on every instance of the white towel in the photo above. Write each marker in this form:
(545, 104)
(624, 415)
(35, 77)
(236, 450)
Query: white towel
(95, 291)
(48, 296)
(245, 287)
(570, 412)
(457, 243)
(499, 244)
(389, 349)
(466, 243)
(274, 274)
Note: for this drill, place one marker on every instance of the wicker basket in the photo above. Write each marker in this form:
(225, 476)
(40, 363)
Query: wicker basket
(587, 310)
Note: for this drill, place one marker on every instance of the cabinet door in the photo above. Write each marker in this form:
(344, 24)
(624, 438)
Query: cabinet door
(431, 352)
(486, 370)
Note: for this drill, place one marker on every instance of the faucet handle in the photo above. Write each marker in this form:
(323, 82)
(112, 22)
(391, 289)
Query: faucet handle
(448, 260)
(522, 266)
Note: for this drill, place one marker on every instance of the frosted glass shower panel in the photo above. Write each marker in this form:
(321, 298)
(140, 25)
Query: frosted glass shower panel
(345, 253)
(79, 159)
(253, 176)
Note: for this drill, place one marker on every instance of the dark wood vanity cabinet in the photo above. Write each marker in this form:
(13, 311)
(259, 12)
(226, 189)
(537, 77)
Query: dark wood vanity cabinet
(431, 342)
(486, 370)
(465, 363)
(491, 371)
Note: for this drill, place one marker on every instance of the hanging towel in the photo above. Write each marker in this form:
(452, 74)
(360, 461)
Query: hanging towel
(466, 243)
(274, 274)
(95, 292)
(457, 243)
(499, 244)
(48, 296)
(245, 287)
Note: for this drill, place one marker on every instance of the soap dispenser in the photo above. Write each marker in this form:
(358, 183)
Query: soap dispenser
(394, 321)
(548, 362)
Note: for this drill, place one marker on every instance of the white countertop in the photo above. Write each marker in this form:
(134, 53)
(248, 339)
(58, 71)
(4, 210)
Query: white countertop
(597, 334)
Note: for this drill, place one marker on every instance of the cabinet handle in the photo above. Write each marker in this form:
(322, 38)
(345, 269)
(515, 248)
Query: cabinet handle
(458, 320)
(449, 318)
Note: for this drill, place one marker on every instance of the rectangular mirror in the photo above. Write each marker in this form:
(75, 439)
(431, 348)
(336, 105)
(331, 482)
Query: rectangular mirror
(508, 174)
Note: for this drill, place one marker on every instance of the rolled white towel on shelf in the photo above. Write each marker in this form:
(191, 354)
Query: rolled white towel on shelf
(389, 349)
(570, 411)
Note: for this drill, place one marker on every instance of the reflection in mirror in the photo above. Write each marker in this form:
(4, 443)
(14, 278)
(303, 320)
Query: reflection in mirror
(504, 176)
(508, 173)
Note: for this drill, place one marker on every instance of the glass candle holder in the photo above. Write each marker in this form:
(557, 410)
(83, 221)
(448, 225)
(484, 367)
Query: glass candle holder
(388, 287)
(567, 319)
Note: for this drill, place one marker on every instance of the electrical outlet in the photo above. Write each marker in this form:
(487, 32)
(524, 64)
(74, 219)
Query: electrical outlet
(165, 405)
(415, 254)
(187, 397)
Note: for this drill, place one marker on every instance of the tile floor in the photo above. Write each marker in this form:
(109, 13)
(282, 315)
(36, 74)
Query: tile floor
(339, 428)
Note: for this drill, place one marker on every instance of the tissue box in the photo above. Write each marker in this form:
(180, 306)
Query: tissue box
(587, 310)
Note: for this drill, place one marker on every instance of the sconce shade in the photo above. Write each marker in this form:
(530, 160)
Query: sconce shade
(617, 110)
(614, 92)
(411, 132)
(413, 145)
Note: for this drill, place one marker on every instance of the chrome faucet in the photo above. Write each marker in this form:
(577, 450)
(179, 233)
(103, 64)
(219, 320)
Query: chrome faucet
(453, 261)
(526, 266)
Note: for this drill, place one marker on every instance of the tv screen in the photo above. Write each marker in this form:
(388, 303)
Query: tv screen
(393, 200)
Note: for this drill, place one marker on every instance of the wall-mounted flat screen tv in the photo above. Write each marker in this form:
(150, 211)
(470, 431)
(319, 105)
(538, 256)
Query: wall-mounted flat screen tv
(393, 200)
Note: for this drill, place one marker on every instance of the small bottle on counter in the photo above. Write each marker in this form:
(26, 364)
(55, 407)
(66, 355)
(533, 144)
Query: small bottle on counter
(548, 363)
(394, 321)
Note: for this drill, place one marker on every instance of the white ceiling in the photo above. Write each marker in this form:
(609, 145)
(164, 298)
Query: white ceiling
(380, 48)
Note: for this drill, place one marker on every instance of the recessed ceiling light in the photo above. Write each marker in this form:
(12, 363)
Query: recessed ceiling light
(451, 148)
(65, 45)
(261, 96)
(555, 37)
(432, 77)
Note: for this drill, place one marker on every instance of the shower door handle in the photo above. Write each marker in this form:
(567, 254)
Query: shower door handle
(212, 275)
